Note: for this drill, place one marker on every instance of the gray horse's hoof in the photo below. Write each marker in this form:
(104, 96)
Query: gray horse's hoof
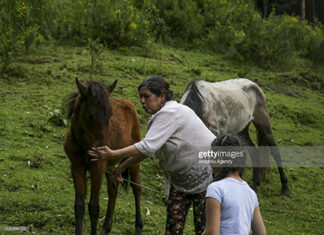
(103, 232)
(254, 187)
(138, 232)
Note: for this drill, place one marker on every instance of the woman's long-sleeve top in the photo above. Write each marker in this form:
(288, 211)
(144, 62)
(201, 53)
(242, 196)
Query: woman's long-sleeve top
(176, 135)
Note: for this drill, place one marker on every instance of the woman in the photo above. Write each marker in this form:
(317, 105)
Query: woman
(175, 135)
(231, 205)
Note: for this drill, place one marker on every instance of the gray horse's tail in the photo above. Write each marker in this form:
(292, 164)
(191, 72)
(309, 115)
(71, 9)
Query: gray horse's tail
(194, 99)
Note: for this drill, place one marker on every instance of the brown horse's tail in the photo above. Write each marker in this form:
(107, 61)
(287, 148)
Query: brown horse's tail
(264, 151)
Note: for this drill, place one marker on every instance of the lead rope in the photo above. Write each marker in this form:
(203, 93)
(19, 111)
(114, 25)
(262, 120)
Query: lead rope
(139, 185)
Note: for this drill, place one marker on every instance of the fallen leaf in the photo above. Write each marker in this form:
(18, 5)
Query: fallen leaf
(53, 215)
(148, 212)
(159, 177)
(34, 186)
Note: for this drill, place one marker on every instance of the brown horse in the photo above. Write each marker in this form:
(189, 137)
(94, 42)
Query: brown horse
(98, 120)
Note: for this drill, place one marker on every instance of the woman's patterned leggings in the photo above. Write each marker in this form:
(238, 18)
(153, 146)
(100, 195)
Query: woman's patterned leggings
(177, 209)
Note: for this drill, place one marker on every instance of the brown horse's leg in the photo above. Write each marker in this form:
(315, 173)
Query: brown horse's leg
(262, 123)
(137, 191)
(112, 192)
(80, 186)
(97, 170)
(254, 153)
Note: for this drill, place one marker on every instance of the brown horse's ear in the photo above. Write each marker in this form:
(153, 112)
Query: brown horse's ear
(112, 86)
(82, 89)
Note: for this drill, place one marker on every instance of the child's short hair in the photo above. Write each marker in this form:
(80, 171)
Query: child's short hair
(232, 154)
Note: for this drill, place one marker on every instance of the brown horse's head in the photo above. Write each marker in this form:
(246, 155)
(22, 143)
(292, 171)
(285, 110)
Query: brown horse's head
(90, 111)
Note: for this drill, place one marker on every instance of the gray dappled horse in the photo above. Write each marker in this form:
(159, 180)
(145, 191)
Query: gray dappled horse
(229, 107)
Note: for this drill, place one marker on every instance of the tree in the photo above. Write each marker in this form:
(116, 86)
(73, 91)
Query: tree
(303, 9)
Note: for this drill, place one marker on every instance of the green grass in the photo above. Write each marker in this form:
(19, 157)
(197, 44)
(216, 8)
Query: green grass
(36, 187)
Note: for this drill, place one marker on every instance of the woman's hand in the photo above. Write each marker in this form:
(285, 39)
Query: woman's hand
(117, 173)
(101, 153)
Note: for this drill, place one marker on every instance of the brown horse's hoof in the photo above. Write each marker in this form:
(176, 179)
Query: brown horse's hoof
(285, 191)
(138, 230)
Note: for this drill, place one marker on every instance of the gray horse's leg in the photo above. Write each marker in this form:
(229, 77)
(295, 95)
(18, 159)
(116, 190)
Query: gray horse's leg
(265, 136)
(277, 157)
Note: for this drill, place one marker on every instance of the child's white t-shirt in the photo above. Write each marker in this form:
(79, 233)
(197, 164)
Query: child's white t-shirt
(238, 202)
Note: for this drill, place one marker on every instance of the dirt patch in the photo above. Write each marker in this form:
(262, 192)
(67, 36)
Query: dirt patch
(286, 90)
(13, 189)
(38, 61)
(5, 93)
(88, 69)
(15, 72)
(303, 118)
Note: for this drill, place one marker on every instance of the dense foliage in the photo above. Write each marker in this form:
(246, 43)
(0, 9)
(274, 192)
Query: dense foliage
(234, 28)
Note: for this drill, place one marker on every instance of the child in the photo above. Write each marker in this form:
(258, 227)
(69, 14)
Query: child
(231, 205)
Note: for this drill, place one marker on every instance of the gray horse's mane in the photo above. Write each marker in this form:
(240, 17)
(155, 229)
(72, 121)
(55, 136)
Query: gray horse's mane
(195, 100)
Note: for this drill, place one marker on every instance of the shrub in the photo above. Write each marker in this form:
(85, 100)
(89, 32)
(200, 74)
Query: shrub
(119, 23)
(18, 33)
(237, 30)
(8, 40)
(114, 23)
(183, 21)
(57, 116)
(233, 27)
(316, 43)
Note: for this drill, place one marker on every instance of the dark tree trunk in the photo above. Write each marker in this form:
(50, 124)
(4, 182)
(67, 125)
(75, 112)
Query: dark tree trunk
(265, 8)
(306, 9)
(302, 9)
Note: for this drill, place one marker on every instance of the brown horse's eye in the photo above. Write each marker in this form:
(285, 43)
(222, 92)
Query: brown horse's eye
(90, 117)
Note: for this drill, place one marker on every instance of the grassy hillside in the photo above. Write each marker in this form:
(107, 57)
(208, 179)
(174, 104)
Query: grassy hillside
(36, 187)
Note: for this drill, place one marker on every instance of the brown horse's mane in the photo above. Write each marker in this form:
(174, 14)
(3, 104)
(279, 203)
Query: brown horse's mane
(97, 90)
(70, 102)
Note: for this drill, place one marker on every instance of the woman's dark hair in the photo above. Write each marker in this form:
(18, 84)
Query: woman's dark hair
(158, 86)
(230, 146)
